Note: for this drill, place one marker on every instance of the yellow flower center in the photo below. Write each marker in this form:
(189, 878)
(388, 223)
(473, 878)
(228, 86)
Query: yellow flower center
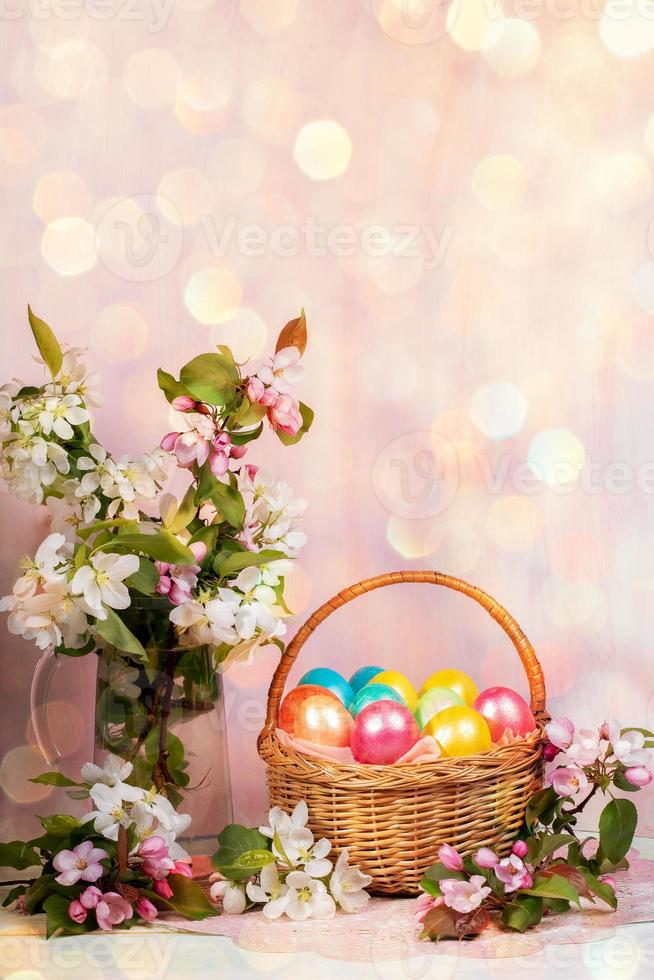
(101, 578)
(81, 864)
(304, 894)
(118, 814)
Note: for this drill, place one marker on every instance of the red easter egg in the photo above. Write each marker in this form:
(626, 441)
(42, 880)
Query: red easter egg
(316, 715)
(503, 708)
(383, 732)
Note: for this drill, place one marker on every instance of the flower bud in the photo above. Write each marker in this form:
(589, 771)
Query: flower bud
(520, 848)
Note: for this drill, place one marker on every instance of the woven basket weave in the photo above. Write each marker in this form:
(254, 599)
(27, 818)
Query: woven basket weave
(394, 818)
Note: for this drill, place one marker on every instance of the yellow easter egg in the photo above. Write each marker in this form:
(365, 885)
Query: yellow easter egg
(399, 683)
(454, 679)
(460, 730)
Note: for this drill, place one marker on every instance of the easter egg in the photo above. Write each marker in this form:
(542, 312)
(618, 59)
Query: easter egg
(383, 732)
(433, 701)
(460, 730)
(331, 680)
(503, 708)
(362, 676)
(456, 680)
(374, 692)
(316, 715)
(399, 683)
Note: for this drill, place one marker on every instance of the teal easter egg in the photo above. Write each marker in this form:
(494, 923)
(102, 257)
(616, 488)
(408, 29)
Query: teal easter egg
(330, 679)
(434, 700)
(374, 692)
(361, 677)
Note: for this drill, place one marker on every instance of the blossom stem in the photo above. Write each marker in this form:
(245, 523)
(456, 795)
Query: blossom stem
(583, 803)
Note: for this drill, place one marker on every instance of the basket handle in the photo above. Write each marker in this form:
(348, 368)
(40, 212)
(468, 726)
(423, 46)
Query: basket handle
(524, 648)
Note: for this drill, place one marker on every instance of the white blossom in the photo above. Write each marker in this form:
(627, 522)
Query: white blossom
(199, 623)
(308, 898)
(282, 370)
(101, 582)
(59, 414)
(270, 892)
(347, 884)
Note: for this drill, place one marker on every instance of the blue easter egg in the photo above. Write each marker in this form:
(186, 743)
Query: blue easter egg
(330, 679)
(374, 692)
(361, 677)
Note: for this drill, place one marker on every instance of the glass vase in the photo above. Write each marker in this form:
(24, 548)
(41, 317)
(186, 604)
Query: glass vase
(167, 717)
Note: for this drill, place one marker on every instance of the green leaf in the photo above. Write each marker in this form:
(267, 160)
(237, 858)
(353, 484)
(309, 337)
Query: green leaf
(235, 841)
(229, 502)
(146, 579)
(162, 546)
(242, 437)
(552, 887)
(86, 532)
(18, 854)
(211, 378)
(53, 779)
(539, 805)
(600, 888)
(187, 899)
(13, 894)
(245, 559)
(60, 824)
(46, 342)
(113, 630)
(247, 864)
(522, 913)
(58, 921)
(621, 782)
(307, 418)
(438, 871)
(431, 887)
(170, 387)
(617, 825)
(185, 512)
(248, 413)
(542, 847)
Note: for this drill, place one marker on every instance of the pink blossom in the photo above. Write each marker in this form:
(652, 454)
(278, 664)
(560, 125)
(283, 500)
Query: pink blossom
(560, 732)
(90, 897)
(425, 904)
(177, 581)
(182, 868)
(146, 909)
(485, 858)
(585, 747)
(513, 873)
(76, 911)
(251, 470)
(168, 442)
(254, 388)
(112, 910)
(163, 889)
(190, 448)
(450, 858)
(639, 776)
(464, 896)
(238, 452)
(199, 550)
(569, 780)
(82, 862)
(604, 732)
(550, 751)
(285, 415)
(157, 863)
(609, 880)
(520, 848)
(283, 370)
(184, 403)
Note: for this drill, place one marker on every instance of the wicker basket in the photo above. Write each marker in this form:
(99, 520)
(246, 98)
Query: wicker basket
(393, 818)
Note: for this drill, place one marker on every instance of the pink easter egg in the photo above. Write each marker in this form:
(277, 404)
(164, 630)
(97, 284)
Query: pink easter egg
(503, 708)
(383, 732)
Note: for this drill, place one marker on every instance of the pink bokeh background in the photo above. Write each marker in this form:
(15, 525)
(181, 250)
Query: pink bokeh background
(460, 198)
